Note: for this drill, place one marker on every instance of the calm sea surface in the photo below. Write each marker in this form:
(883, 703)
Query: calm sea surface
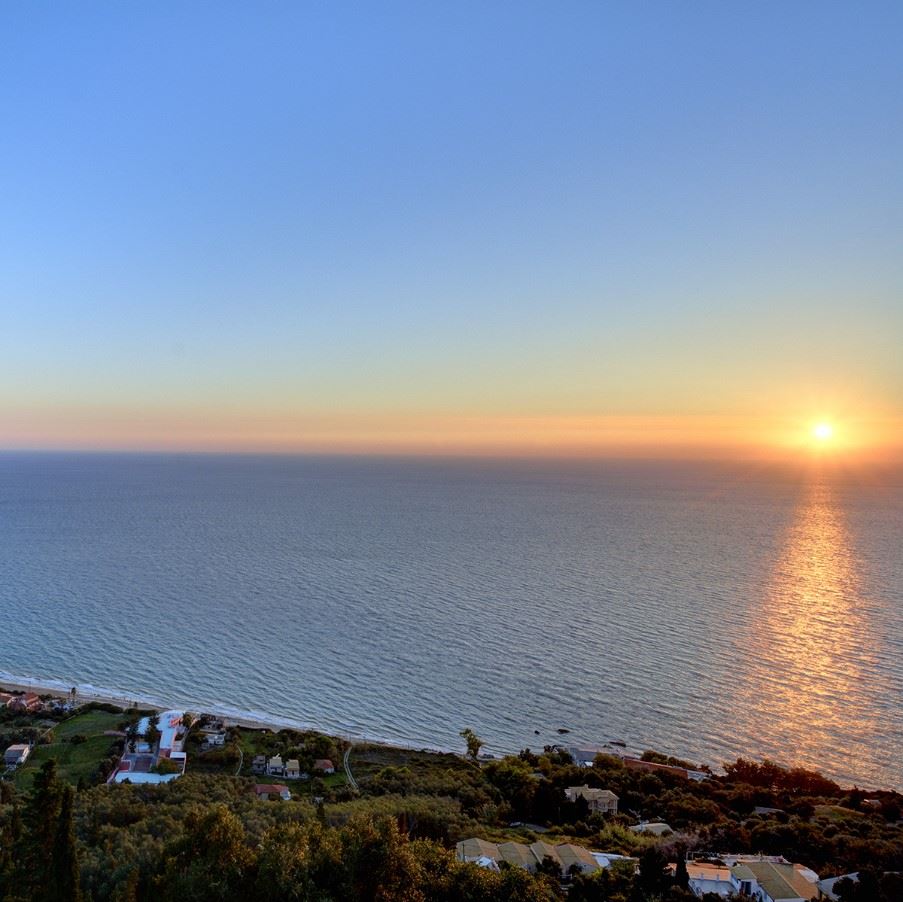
(703, 610)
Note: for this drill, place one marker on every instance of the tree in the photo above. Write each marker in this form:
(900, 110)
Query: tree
(46, 859)
(549, 866)
(681, 874)
(473, 742)
(654, 876)
(152, 733)
(131, 735)
(211, 860)
(65, 878)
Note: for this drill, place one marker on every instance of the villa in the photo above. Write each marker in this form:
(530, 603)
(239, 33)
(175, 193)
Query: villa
(275, 767)
(600, 801)
(324, 765)
(138, 766)
(770, 882)
(764, 879)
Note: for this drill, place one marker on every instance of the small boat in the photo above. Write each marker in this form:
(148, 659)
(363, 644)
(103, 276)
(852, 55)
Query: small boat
(563, 730)
(617, 742)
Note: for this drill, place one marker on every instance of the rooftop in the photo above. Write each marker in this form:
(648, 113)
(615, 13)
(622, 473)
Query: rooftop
(591, 793)
(277, 788)
(169, 723)
(780, 881)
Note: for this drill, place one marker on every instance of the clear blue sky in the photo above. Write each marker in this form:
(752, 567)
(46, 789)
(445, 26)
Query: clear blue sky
(487, 210)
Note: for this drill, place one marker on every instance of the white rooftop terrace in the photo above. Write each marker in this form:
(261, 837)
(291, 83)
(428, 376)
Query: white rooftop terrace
(170, 721)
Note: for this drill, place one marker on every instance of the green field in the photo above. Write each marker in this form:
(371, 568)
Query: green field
(74, 761)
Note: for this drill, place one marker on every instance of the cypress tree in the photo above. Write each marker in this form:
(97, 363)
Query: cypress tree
(65, 873)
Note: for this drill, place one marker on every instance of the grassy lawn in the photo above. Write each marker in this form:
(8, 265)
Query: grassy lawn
(74, 761)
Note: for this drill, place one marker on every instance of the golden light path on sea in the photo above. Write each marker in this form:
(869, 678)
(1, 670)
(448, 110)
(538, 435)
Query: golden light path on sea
(807, 670)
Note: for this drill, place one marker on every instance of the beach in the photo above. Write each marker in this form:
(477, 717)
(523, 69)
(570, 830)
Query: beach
(88, 694)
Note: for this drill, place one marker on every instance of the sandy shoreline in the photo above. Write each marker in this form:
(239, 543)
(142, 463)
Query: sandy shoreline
(121, 700)
(84, 696)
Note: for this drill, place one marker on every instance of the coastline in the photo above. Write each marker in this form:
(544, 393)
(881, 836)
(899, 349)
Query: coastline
(252, 720)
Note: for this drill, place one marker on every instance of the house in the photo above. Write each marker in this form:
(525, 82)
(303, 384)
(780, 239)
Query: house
(169, 725)
(25, 704)
(770, 881)
(140, 765)
(267, 791)
(584, 756)
(214, 737)
(711, 877)
(600, 801)
(275, 767)
(259, 764)
(16, 755)
(292, 769)
(576, 859)
(569, 858)
(324, 765)
(477, 849)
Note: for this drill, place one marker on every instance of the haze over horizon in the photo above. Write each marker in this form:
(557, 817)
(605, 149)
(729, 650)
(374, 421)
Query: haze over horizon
(514, 229)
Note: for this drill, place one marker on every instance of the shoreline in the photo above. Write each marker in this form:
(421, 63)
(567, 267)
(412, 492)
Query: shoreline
(252, 720)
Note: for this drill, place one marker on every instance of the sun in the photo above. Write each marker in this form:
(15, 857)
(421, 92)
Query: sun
(822, 431)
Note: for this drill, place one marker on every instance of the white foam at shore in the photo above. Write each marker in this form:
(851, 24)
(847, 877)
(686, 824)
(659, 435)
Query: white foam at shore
(87, 692)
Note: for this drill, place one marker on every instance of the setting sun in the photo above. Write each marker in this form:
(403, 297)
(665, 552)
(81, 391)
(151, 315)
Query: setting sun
(822, 431)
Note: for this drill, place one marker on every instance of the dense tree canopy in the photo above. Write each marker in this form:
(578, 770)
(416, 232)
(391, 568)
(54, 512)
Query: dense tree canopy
(207, 837)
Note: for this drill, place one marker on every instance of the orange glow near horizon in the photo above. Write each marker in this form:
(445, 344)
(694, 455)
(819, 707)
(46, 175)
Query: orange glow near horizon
(424, 433)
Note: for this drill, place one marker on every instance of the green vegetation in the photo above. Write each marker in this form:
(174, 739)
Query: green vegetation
(473, 743)
(79, 748)
(207, 836)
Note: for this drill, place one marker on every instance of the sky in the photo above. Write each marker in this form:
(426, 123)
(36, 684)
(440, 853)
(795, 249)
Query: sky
(451, 228)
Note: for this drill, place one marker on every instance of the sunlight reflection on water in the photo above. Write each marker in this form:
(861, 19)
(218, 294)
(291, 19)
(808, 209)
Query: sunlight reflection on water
(811, 654)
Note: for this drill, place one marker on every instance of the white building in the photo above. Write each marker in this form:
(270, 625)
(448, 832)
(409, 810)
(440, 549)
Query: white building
(712, 878)
(16, 755)
(137, 766)
(764, 879)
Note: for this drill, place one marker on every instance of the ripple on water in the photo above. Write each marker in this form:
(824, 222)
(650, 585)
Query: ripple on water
(706, 610)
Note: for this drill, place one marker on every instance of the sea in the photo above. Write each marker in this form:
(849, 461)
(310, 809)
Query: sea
(706, 610)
